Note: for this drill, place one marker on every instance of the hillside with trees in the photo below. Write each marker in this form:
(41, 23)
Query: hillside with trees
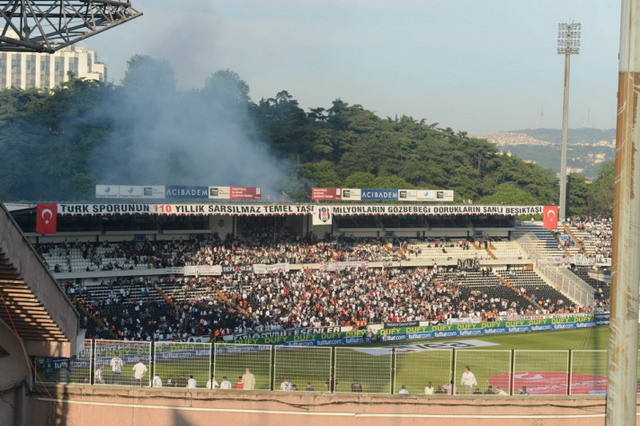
(58, 145)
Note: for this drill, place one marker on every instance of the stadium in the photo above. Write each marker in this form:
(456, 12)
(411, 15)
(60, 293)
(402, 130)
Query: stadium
(332, 312)
(382, 270)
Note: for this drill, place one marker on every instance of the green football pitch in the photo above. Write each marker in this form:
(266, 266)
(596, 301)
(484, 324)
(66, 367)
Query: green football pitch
(578, 339)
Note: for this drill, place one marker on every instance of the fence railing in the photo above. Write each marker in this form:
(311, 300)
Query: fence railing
(383, 370)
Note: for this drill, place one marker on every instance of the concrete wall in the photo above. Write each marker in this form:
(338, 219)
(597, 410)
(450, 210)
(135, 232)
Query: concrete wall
(104, 405)
(15, 377)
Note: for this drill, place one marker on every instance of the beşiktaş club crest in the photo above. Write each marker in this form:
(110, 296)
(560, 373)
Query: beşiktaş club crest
(322, 216)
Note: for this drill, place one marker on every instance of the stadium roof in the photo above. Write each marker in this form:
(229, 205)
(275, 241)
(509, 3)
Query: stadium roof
(32, 303)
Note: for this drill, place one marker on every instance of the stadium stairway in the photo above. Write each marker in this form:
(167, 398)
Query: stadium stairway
(547, 244)
(490, 249)
(169, 300)
(578, 249)
(510, 285)
(229, 303)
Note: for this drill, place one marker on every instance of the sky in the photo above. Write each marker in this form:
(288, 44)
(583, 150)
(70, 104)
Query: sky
(479, 66)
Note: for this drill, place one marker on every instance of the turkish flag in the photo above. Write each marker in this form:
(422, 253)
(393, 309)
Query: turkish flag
(46, 218)
(550, 217)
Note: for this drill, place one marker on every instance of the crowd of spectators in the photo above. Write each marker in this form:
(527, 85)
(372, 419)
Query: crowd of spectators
(599, 233)
(212, 250)
(245, 302)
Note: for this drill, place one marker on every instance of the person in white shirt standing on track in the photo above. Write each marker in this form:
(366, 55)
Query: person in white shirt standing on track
(139, 370)
(116, 364)
(468, 380)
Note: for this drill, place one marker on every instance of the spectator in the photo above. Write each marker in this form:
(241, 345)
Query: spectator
(212, 383)
(429, 389)
(97, 376)
(239, 384)
(248, 380)
(225, 384)
(139, 370)
(156, 382)
(285, 385)
(192, 383)
(468, 380)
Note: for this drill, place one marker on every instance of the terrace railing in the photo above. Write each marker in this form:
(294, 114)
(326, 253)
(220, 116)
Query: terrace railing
(556, 275)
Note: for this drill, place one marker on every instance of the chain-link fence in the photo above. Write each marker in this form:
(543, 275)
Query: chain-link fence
(489, 370)
(182, 365)
(66, 370)
(418, 370)
(541, 372)
(363, 370)
(243, 366)
(302, 368)
(330, 369)
(588, 372)
(119, 362)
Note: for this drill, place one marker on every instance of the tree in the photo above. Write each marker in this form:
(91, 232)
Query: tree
(602, 190)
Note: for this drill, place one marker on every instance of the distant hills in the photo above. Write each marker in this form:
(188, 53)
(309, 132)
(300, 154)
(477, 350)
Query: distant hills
(587, 148)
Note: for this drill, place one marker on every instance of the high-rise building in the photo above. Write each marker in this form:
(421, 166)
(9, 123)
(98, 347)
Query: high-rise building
(28, 70)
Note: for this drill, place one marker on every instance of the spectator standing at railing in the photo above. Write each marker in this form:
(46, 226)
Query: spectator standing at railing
(468, 380)
(239, 384)
(225, 384)
(429, 390)
(192, 383)
(139, 370)
(116, 364)
(285, 385)
(249, 380)
(97, 376)
(156, 382)
(212, 383)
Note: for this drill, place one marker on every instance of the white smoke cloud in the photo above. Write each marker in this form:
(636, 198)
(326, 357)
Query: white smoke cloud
(163, 136)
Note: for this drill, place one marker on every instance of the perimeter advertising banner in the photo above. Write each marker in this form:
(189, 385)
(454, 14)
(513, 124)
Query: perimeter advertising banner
(355, 194)
(159, 192)
(130, 191)
(326, 194)
(187, 192)
(440, 195)
(379, 194)
(328, 337)
(499, 327)
(245, 193)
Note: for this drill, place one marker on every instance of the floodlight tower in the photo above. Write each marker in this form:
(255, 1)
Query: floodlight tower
(50, 25)
(568, 44)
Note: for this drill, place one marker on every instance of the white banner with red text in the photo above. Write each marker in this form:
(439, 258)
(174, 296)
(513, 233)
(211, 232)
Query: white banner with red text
(256, 209)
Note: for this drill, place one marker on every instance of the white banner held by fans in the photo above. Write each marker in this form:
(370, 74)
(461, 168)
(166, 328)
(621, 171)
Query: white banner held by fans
(339, 266)
(322, 216)
(203, 270)
(269, 269)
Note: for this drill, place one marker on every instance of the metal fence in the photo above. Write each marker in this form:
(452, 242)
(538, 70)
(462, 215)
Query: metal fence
(382, 370)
